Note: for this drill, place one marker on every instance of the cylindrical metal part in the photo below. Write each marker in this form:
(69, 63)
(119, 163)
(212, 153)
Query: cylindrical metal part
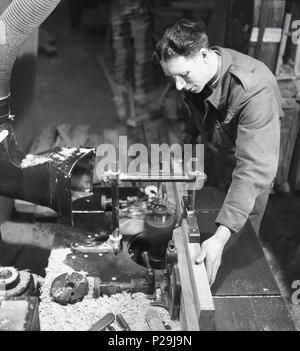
(158, 231)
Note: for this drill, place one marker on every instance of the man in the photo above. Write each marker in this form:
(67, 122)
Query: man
(238, 111)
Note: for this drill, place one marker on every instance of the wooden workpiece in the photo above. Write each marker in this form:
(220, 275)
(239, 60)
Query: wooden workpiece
(245, 294)
(196, 294)
(197, 307)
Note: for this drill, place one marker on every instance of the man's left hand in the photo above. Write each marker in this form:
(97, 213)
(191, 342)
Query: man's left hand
(211, 251)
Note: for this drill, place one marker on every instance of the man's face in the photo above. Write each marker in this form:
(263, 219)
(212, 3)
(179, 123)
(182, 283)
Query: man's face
(189, 73)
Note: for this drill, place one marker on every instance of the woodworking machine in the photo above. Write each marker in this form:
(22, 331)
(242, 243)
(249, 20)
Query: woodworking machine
(62, 179)
(136, 251)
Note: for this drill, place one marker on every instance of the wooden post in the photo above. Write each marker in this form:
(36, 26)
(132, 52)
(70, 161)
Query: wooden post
(266, 35)
(285, 33)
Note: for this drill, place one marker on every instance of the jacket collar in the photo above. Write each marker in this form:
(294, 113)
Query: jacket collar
(219, 92)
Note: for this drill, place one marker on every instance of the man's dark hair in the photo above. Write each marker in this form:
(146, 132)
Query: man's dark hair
(184, 38)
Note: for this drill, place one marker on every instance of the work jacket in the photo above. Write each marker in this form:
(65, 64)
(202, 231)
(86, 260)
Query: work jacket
(240, 119)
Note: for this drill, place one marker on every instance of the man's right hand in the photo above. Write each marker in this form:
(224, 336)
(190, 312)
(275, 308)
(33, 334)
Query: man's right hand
(211, 251)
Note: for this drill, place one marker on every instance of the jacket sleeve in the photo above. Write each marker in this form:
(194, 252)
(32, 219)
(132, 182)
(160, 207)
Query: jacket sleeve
(257, 155)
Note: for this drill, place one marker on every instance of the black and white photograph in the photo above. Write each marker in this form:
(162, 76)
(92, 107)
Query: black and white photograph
(149, 168)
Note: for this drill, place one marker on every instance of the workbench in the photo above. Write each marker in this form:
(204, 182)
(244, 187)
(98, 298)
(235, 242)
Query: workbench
(245, 293)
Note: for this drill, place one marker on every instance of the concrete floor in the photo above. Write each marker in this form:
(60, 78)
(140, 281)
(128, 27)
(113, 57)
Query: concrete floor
(71, 88)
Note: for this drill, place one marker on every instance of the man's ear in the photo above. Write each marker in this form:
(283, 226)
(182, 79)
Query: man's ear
(204, 54)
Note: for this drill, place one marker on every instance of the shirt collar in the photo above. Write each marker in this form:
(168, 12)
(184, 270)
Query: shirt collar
(214, 81)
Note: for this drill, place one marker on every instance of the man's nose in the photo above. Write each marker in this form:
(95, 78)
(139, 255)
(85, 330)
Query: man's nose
(180, 83)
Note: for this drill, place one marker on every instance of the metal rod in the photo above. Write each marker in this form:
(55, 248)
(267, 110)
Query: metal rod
(115, 204)
(156, 178)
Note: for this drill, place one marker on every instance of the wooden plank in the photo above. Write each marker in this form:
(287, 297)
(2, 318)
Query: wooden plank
(252, 314)
(201, 289)
(189, 317)
(200, 285)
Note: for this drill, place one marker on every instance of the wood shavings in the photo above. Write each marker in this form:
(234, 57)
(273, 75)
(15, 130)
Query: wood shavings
(82, 315)
(64, 152)
(33, 160)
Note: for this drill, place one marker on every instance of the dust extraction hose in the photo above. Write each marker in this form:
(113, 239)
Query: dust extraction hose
(16, 24)
(43, 179)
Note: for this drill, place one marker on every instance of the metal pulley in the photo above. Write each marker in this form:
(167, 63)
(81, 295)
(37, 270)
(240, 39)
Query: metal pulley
(69, 288)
